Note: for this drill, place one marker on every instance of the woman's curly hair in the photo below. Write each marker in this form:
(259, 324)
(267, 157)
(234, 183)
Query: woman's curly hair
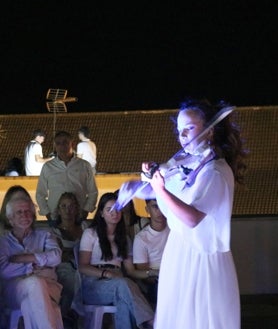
(227, 141)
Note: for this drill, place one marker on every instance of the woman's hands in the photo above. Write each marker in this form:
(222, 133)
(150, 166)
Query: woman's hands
(148, 166)
(109, 274)
(157, 180)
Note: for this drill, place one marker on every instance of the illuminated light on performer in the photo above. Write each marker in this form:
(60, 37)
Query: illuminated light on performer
(198, 286)
(143, 190)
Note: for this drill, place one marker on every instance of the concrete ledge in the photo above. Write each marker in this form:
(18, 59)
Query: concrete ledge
(105, 183)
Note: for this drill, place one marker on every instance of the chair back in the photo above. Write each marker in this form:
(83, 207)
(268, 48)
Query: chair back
(93, 313)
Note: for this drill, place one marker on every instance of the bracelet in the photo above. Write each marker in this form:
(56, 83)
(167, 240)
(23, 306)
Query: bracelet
(102, 274)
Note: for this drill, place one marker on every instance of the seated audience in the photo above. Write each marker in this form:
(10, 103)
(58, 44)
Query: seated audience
(14, 168)
(14, 192)
(148, 247)
(104, 247)
(68, 230)
(28, 258)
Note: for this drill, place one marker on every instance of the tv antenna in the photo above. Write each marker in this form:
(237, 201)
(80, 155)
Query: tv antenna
(56, 100)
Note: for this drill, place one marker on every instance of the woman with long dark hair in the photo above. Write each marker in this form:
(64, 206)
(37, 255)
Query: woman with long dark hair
(104, 250)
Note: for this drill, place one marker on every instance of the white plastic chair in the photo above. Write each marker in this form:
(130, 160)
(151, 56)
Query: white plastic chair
(13, 316)
(93, 314)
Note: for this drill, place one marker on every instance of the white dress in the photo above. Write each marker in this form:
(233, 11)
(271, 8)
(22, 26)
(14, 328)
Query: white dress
(198, 286)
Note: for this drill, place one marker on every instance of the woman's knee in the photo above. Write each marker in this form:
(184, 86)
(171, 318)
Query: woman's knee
(125, 286)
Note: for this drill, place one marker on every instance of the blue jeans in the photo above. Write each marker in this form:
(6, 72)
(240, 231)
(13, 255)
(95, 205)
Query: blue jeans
(66, 277)
(132, 307)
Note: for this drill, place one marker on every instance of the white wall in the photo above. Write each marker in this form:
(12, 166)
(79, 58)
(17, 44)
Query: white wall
(254, 244)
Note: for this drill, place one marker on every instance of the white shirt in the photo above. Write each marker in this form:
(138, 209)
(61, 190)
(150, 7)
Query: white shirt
(33, 167)
(148, 246)
(57, 178)
(87, 151)
(90, 242)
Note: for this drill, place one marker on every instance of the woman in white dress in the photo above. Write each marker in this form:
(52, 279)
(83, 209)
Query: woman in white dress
(198, 286)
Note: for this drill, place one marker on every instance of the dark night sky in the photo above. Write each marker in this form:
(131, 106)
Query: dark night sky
(137, 56)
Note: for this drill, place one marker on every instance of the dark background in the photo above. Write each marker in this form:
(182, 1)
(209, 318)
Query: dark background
(137, 56)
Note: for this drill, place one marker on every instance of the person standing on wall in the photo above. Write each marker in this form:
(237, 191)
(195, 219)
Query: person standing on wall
(33, 156)
(86, 149)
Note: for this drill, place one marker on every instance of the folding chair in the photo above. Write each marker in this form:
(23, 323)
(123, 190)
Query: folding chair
(13, 316)
(93, 314)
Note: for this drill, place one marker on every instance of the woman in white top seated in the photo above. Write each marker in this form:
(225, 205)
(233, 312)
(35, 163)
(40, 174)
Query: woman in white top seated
(104, 247)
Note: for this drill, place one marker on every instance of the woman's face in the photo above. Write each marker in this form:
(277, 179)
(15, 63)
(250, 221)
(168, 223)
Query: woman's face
(111, 217)
(68, 209)
(189, 125)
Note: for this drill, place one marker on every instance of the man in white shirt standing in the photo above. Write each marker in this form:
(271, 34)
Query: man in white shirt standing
(33, 156)
(66, 173)
(86, 149)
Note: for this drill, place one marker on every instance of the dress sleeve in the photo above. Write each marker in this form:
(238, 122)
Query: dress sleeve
(215, 199)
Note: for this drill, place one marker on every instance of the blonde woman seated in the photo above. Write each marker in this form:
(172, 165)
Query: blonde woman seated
(104, 247)
(68, 230)
(28, 258)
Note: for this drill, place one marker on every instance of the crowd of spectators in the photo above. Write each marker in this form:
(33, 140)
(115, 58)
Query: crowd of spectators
(43, 257)
(38, 263)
